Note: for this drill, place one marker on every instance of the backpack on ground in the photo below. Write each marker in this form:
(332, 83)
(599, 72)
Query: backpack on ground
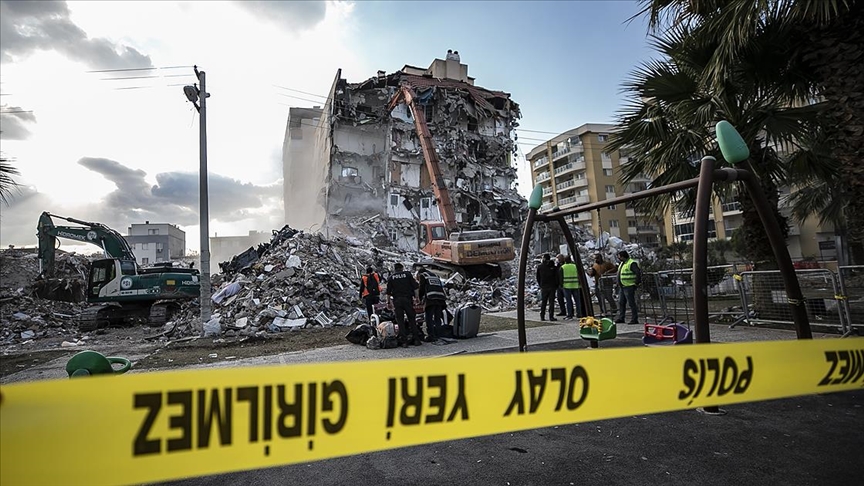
(360, 334)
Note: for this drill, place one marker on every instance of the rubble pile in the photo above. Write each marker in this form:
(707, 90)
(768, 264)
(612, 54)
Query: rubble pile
(24, 313)
(298, 280)
(301, 280)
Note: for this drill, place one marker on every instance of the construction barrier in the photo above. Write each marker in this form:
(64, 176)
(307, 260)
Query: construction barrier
(765, 297)
(157, 426)
(851, 280)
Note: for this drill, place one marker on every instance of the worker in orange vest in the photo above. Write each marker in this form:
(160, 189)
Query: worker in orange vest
(370, 290)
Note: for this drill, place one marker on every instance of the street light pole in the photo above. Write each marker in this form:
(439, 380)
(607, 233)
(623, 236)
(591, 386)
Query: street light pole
(194, 94)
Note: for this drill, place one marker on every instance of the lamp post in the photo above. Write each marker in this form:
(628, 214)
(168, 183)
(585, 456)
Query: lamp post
(195, 95)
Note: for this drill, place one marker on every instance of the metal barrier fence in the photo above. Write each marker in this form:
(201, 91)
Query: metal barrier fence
(852, 292)
(832, 299)
(668, 295)
(764, 295)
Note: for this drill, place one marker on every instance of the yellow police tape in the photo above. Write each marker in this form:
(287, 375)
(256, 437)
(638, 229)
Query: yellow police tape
(157, 426)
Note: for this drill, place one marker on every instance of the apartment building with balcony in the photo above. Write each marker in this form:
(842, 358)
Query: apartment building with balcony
(574, 168)
(809, 239)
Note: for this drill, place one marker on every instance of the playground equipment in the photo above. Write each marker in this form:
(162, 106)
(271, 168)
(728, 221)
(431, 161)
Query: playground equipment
(736, 152)
(88, 363)
(666, 334)
(595, 330)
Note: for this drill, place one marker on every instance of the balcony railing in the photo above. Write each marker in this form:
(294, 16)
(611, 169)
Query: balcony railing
(546, 207)
(541, 162)
(547, 191)
(732, 206)
(565, 168)
(542, 177)
(650, 228)
(565, 185)
(572, 200)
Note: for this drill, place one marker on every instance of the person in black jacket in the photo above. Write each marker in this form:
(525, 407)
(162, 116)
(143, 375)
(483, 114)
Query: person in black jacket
(547, 279)
(435, 300)
(370, 290)
(401, 290)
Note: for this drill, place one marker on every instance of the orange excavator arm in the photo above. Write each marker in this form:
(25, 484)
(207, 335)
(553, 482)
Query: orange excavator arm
(442, 195)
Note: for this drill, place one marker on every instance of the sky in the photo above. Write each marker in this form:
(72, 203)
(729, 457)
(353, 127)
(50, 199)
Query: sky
(93, 115)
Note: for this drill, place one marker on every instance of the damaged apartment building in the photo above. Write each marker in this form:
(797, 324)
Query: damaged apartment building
(355, 161)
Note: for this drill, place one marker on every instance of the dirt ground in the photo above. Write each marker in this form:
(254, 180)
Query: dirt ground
(167, 354)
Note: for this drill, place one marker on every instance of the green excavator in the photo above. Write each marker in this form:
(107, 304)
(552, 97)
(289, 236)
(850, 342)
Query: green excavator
(122, 292)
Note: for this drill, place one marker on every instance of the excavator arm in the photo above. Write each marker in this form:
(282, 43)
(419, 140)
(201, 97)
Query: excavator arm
(110, 241)
(445, 205)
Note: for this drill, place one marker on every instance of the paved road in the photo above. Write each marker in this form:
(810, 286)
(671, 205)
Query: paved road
(815, 440)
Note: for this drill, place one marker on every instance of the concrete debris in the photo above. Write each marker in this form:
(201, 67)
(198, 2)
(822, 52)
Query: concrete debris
(213, 327)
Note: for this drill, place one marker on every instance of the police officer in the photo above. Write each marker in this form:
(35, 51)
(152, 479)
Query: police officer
(370, 290)
(435, 301)
(401, 290)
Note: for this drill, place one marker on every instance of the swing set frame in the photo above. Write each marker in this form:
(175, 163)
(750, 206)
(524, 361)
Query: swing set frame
(704, 184)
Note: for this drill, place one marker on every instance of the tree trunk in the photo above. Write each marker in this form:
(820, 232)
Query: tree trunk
(835, 53)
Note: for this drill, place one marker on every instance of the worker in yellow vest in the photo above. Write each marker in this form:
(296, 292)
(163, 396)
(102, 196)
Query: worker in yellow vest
(629, 278)
(570, 282)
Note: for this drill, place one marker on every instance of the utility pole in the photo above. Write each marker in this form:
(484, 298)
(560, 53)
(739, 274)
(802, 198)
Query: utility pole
(196, 94)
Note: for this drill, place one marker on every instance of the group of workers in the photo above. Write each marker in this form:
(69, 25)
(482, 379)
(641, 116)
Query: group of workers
(559, 280)
(405, 291)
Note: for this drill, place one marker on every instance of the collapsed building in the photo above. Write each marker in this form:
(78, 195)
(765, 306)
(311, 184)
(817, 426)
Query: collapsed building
(353, 159)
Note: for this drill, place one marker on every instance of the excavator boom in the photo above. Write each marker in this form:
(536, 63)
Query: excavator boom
(111, 242)
(445, 205)
(470, 252)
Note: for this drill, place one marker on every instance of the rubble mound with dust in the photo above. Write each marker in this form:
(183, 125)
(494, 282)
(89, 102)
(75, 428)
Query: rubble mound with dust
(301, 280)
(24, 313)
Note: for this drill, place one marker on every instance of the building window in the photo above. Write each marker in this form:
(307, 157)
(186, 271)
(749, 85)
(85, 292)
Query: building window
(394, 199)
(429, 111)
(153, 231)
(604, 157)
(158, 246)
(144, 246)
(612, 207)
(631, 223)
(607, 172)
(610, 189)
(613, 223)
(349, 172)
(145, 261)
(602, 137)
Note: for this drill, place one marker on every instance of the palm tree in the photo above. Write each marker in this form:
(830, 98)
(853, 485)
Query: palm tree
(669, 118)
(824, 41)
(7, 183)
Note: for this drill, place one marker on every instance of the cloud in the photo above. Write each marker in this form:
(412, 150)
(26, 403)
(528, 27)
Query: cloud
(13, 120)
(26, 27)
(175, 196)
(173, 199)
(290, 15)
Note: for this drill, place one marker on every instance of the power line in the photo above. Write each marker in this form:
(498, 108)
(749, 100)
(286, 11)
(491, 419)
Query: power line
(146, 77)
(538, 131)
(136, 69)
(302, 92)
(149, 87)
(16, 111)
(299, 98)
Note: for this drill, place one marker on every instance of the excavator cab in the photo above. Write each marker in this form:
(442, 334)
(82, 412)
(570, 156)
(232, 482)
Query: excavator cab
(431, 231)
(103, 273)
